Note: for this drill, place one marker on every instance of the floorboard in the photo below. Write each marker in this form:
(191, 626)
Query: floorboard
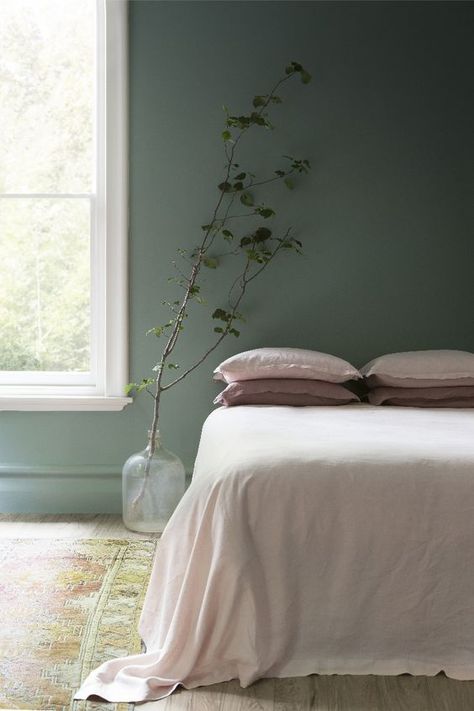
(312, 693)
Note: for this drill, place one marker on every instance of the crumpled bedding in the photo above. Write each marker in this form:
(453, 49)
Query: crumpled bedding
(329, 540)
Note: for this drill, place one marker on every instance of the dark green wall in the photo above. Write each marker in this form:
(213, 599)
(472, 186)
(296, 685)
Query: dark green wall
(386, 217)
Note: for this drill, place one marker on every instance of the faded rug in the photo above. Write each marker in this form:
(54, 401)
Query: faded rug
(65, 607)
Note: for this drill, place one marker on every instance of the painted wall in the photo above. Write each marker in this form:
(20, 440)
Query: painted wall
(386, 217)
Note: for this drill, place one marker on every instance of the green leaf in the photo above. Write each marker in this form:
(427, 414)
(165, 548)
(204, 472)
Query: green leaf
(245, 241)
(302, 166)
(305, 76)
(287, 244)
(220, 314)
(265, 212)
(294, 67)
(258, 101)
(225, 187)
(258, 119)
(173, 366)
(130, 387)
(289, 183)
(262, 234)
(226, 135)
(241, 122)
(241, 176)
(139, 387)
(210, 262)
(238, 185)
(159, 330)
(219, 329)
(234, 332)
(156, 331)
(280, 173)
(228, 234)
(255, 256)
(247, 199)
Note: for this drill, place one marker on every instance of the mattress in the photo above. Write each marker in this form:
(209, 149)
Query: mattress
(328, 540)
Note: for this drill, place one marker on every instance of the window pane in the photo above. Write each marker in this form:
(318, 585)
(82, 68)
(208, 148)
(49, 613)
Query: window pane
(47, 83)
(45, 284)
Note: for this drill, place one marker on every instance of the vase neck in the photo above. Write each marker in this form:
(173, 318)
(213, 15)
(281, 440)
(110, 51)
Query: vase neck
(154, 440)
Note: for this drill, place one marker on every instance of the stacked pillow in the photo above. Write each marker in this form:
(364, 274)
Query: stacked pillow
(435, 378)
(285, 376)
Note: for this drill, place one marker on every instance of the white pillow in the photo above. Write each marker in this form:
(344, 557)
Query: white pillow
(285, 363)
(421, 369)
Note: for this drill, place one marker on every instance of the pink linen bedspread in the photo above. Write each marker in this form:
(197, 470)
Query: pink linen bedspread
(312, 540)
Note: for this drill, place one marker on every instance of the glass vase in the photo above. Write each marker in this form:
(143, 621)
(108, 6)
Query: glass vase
(152, 485)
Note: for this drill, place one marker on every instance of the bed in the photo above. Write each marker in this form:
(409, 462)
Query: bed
(329, 540)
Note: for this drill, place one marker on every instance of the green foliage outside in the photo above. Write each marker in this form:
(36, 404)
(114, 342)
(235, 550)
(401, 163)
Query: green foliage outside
(46, 144)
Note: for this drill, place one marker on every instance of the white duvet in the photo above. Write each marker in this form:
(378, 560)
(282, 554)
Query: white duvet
(330, 540)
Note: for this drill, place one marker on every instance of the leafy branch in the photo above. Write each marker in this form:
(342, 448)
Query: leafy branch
(255, 247)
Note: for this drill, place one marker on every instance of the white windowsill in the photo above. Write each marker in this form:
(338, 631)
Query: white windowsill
(65, 403)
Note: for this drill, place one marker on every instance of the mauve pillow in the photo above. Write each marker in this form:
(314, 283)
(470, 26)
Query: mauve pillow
(285, 363)
(285, 392)
(454, 396)
(421, 369)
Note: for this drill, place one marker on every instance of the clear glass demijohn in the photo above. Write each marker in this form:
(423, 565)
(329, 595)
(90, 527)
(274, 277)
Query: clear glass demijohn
(152, 485)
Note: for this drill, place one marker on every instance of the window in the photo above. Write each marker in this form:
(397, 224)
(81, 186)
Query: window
(63, 220)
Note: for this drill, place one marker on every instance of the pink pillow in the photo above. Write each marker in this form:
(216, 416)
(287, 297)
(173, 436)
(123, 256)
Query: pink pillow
(285, 392)
(454, 396)
(421, 369)
(285, 363)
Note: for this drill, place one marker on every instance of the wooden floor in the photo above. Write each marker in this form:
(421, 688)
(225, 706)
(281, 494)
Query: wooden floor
(316, 693)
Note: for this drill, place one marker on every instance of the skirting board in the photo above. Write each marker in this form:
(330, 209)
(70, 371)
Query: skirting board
(69, 489)
(66, 489)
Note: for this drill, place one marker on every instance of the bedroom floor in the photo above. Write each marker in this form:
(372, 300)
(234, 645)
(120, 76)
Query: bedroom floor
(315, 693)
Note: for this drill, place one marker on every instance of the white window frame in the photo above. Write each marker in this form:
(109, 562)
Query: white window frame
(104, 387)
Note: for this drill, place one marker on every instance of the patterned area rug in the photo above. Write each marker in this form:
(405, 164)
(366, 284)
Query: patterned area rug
(65, 607)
